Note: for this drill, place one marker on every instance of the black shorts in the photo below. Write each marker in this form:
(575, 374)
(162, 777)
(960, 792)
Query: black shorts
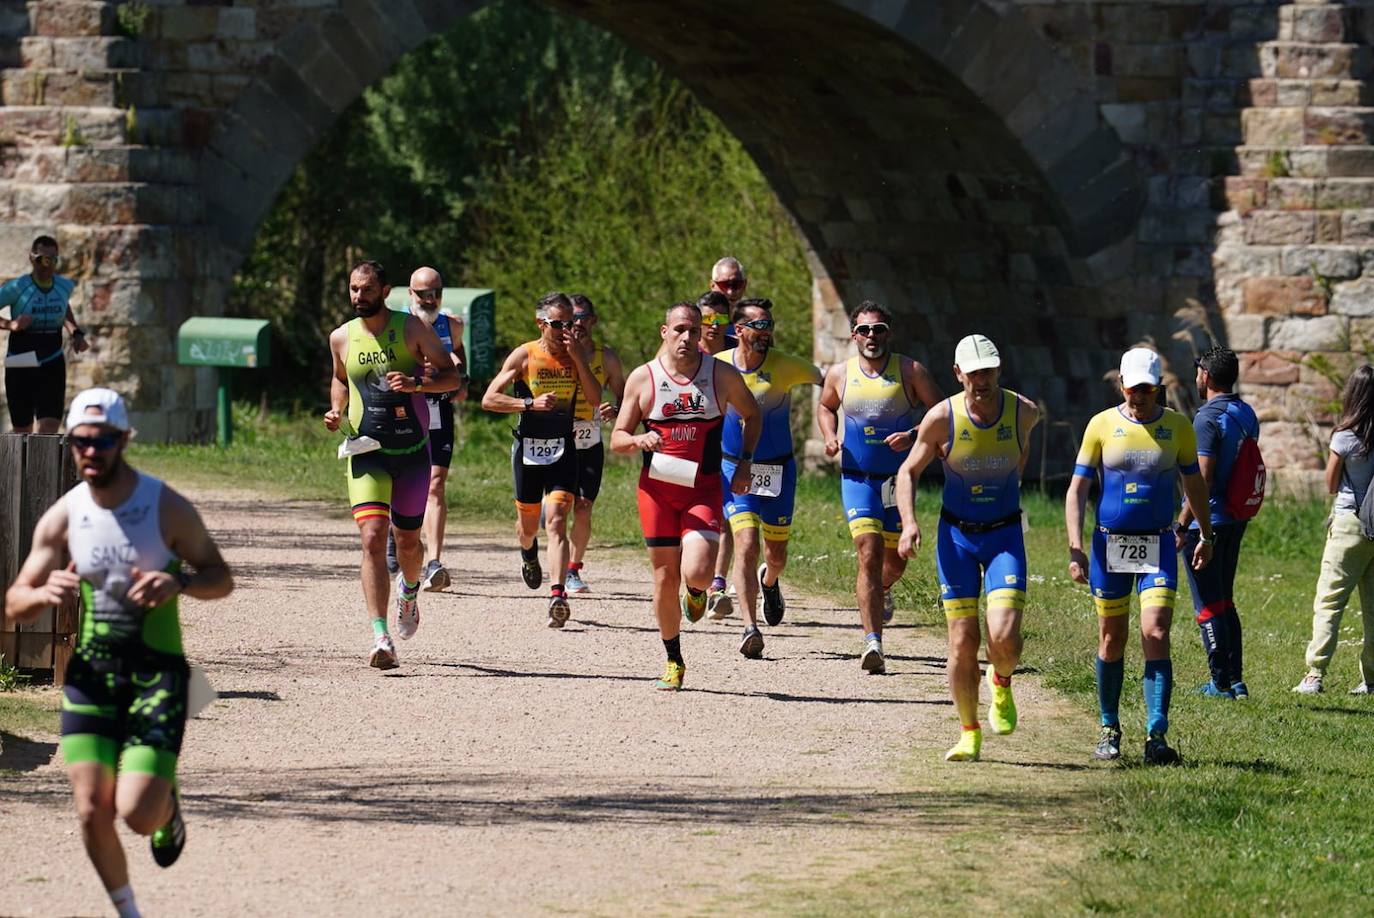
(36, 392)
(590, 464)
(127, 715)
(441, 437)
(532, 482)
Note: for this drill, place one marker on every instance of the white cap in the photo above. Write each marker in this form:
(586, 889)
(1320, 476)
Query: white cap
(98, 406)
(975, 352)
(1139, 366)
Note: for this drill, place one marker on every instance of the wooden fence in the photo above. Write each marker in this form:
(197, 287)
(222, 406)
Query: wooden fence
(35, 470)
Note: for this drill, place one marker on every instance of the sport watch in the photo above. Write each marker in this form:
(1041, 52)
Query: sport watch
(529, 403)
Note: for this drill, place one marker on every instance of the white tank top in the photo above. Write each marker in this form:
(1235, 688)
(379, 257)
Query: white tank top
(106, 545)
(693, 400)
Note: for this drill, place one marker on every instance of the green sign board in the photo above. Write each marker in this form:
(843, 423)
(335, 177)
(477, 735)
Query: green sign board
(477, 308)
(216, 342)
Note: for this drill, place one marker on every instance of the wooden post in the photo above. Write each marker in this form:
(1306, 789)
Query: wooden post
(35, 471)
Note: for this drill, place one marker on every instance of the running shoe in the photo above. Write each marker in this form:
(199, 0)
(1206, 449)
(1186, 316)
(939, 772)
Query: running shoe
(1159, 752)
(407, 610)
(558, 610)
(969, 747)
(773, 606)
(1209, 690)
(532, 572)
(1002, 709)
(392, 565)
(1239, 690)
(718, 605)
(872, 660)
(1108, 744)
(573, 582)
(168, 841)
(1311, 684)
(673, 674)
(1361, 689)
(889, 607)
(436, 577)
(383, 655)
(693, 608)
(752, 644)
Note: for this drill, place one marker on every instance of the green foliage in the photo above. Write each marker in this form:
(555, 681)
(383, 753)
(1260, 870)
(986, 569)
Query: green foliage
(1276, 164)
(11, 678)
(132, 18)
(72, 135)
(524, 151)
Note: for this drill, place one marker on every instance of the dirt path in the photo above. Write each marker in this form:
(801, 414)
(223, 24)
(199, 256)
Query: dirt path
(508, 767)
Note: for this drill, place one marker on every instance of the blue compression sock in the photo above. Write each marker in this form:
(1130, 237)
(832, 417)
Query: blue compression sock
(1109, 679)
(1159, 687)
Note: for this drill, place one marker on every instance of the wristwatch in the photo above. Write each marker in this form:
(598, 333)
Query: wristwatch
(529, 403)
(183, 579)
(746, 455)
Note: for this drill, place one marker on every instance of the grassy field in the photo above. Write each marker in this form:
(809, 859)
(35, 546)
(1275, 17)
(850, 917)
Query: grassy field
(1269, 813)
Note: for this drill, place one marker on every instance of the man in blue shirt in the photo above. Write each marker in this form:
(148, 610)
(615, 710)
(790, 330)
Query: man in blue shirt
(35, 368)
(1221, 424)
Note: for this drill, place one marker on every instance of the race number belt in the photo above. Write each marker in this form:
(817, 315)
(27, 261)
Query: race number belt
(973, 527)
(542, 451)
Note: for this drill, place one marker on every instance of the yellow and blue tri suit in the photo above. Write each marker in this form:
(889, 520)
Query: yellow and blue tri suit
(980, 546)
(874, 407)
(771, 384)
(1137, 466)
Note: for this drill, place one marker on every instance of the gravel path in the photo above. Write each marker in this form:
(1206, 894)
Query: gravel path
(506, 767)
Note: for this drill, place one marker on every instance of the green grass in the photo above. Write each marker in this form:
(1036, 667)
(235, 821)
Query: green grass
(1269, 814)
(29, 713)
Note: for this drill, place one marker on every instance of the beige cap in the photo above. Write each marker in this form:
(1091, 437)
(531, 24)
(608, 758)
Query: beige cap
(1140, 366)
(976, 352)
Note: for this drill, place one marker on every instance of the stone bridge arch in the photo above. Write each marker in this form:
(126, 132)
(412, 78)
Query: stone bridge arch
(1052, 173)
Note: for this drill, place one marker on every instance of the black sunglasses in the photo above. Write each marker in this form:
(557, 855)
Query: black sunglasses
(758, 324)
(102, 442)
(583, 316)
(868, 331)
(559, 324)
(432, 293)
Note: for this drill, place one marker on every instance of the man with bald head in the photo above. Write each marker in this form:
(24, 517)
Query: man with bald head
(426, 304)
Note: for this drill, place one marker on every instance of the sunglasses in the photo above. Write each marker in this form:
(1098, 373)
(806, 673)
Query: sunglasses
(102, 442)
(868, 331)
(759, 324)
(730, 283)
(1142, 388)
(716, 319)
(583, 316)
(49, 260)
(559, 324)
(432, 293)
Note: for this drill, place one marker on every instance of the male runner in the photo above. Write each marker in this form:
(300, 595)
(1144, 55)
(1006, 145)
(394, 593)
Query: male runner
(426, 303)
(379, 380)
(770, 375)
(591, 452)
(40, 308)
(716, 338)
(681, 396)
(550, 375)
(1134, 451)
(878, 392)
(124, 705)
(982, 437)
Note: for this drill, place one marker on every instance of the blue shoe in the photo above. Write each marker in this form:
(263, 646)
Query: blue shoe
(1239, 690)
(1210, 690)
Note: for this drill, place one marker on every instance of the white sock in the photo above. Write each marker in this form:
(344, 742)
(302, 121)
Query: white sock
(123, 900)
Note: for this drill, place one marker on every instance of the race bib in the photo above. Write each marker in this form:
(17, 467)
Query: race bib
(434, 422)
(586, 434)
(673, 470)
(890, 492)
(767, 480)
(542, 452)
(1132, 554)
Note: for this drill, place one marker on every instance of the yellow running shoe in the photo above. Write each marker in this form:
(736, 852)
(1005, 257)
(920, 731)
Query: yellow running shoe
(968, 748)
(672, 677)
(1002, 710)
(693, 608)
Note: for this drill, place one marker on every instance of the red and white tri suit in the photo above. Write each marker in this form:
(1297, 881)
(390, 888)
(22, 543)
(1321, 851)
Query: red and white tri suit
(688, 417)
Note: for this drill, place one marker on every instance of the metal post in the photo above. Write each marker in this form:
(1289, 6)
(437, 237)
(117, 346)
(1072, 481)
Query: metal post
(224, 412)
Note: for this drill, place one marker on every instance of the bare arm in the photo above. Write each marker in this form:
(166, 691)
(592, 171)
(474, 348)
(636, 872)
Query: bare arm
(426, 346)
(1335, 466)
(632, 410)
(495, 399)
(189, 541)
(586, 379)
(1195, 492)
(933, 432)
(1075, 503)
(1030, 416)
(828, 410)
(1207, 465)
(338, 383)
(41, 584)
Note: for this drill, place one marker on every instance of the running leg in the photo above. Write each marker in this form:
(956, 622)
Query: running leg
(581, 528)
(376, 581)
(964, 638)
(868, 588)
(746, 566)
(93, 791)
(556, 507)
(436, 514)
(143, 801)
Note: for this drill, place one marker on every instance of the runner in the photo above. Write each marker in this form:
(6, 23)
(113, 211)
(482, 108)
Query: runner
(716, 325)
(1134, 451)
(982, 437)
(426, 304)
(379, 381)
(550, 376)
(35, 366)
(878, 391)
(591, 452)
(681, 396)
(770, 375)
(124, 704)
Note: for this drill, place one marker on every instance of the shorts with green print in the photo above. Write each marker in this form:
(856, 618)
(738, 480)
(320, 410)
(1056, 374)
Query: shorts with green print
(127, 713)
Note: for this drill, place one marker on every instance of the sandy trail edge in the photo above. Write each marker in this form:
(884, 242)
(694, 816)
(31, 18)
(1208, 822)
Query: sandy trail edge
(510, 767)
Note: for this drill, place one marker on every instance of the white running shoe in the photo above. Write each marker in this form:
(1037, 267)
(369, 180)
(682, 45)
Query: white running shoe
(573, 583)
(436, 577)
(407, 611)
(872, 660)
(383, 654)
